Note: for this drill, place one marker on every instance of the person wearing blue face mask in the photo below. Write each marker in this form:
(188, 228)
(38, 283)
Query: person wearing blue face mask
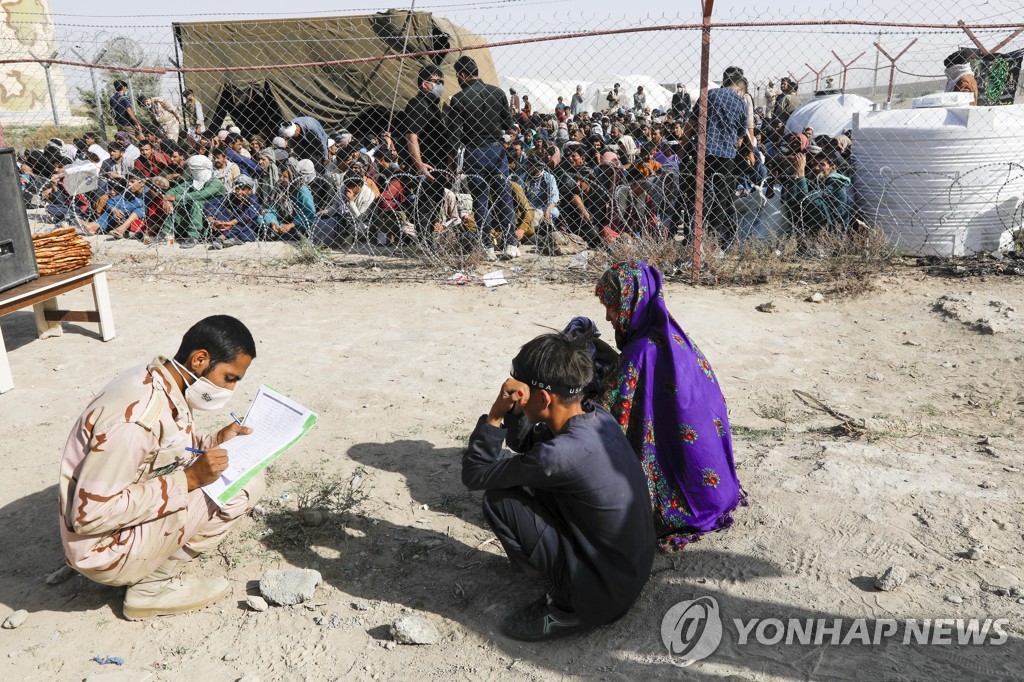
(427, 145)
(131, 505)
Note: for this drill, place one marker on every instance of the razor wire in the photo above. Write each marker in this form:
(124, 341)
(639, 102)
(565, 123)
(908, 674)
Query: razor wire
(636, 186)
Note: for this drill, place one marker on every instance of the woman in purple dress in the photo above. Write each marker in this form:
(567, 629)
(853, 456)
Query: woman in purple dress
(669, 403)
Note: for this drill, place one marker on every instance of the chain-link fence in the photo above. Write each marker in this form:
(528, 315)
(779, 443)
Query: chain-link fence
(432, 141)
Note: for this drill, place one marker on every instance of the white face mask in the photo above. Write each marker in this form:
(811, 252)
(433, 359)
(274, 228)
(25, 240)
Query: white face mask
(438, 89)
(203, 394)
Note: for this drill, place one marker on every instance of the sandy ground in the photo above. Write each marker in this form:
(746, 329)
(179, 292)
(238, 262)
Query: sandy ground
(399, 374)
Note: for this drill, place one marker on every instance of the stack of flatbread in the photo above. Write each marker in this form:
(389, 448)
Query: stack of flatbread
(60, 251)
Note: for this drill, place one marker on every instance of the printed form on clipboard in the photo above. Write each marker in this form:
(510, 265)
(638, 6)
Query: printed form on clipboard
(277, 422)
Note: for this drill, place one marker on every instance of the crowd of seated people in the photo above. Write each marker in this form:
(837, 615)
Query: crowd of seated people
(624, 172)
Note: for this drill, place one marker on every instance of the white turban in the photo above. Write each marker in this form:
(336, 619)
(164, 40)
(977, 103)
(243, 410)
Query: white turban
(201, 170)
(279, 142)
(304, 171)
(289, 130)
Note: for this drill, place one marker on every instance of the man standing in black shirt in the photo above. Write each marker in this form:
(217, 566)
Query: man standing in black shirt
(122, 111)
(480, 118)
(574, 507)
(427, 144)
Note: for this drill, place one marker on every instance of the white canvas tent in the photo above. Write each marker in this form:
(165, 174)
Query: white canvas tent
(658, 97)
(543, 93)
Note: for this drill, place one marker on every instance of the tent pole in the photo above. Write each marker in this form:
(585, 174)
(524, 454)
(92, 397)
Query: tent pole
(401, 64)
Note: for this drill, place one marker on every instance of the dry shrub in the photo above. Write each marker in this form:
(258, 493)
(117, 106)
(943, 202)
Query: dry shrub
(36, 138)
(663, 253)
(849, 260)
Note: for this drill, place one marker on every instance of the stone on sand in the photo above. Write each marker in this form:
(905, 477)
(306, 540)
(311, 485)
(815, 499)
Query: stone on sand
(289, 586)
(15, 619)
(893, 577)
(257, 603)
(413, 630)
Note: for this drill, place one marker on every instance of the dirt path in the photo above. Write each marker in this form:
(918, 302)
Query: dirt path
(399, 374)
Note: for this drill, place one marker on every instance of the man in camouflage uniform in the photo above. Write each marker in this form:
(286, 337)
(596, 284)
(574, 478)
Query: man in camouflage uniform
(132, 511)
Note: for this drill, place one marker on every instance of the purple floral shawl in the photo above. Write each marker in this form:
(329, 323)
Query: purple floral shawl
(668, 401)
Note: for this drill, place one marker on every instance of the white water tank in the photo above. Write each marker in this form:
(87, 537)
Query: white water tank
(941, 181)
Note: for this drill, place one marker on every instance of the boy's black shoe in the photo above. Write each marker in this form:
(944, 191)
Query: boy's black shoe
(539, 621)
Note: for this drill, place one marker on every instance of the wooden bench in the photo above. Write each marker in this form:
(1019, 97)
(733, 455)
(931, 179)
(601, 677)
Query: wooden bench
(42, 295)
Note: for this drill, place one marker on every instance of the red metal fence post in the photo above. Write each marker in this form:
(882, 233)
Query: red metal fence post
(846, 67)
(982, 48)
(702, 138)
(892, 65)
(817, 73)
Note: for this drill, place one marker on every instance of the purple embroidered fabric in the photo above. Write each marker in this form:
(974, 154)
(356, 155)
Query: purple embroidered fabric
(668, 401)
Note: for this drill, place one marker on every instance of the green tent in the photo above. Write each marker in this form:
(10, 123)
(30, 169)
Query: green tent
(257, 99)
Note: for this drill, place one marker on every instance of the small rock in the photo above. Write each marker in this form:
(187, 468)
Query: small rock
(990, 451)
(389, 645)
(290, 586)
(15, 619)
(319, 620)
(60, 575)
(876, 377)
(987, 485)
(816, 297)
(360, 605)
(335, 621)
(413, 630)
(229, 656)
(425, 507)
(257, 603)
(893, 577)
(975, 553)
(312, 517)
(911, 343)
(954, 599)
(259, 510)
(59, 368)
(248, 678)
(767, 307)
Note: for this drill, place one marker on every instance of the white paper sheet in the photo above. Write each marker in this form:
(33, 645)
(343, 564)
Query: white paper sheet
(494, 279)
(277, 422)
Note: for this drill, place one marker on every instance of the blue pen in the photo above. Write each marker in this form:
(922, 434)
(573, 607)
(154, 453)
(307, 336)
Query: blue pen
(237, 420)
(196, 454)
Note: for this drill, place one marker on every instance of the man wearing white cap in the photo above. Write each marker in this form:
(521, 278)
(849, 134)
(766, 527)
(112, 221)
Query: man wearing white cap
(184, 202)
(307, 139)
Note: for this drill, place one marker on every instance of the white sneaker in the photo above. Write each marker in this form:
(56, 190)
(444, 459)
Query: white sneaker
(489, 254)
(512, 251)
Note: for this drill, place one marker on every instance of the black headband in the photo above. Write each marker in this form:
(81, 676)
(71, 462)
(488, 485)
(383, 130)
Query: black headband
(556, 388)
